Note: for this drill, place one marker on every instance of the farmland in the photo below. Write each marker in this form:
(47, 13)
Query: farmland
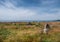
(29, 32)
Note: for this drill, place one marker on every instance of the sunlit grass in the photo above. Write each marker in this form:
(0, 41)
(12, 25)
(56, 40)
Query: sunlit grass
(15, 32)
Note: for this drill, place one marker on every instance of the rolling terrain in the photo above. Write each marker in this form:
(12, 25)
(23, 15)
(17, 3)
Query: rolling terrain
(29, 32)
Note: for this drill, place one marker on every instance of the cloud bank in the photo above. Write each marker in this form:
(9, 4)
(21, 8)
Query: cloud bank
(16, 10)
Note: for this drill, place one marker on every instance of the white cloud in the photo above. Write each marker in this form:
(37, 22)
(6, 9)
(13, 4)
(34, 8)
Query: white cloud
(8, 11)
(18, 13)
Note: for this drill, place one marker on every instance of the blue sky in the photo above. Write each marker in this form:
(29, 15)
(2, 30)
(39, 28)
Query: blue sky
(16, 10)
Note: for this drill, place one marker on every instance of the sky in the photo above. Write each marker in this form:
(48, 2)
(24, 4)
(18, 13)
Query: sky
(17, 10)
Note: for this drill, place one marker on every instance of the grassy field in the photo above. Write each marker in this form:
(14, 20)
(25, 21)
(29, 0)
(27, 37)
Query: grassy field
(29, 32)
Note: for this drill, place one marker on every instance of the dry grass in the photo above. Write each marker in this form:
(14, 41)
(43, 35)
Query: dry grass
(29, 32)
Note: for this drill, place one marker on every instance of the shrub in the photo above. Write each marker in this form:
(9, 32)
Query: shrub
(4, 33)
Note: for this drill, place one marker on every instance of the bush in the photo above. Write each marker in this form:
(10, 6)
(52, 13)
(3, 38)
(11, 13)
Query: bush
(4, 33)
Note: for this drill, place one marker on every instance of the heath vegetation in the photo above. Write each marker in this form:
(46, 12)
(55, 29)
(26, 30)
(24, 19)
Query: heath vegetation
(29, 32)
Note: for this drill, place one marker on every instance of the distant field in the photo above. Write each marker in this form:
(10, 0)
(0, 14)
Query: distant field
(29, 32)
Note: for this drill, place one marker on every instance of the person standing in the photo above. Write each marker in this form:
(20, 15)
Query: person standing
(46, 29)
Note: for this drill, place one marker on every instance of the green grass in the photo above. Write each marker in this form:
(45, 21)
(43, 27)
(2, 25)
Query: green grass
(24, 33)
(4, 33)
